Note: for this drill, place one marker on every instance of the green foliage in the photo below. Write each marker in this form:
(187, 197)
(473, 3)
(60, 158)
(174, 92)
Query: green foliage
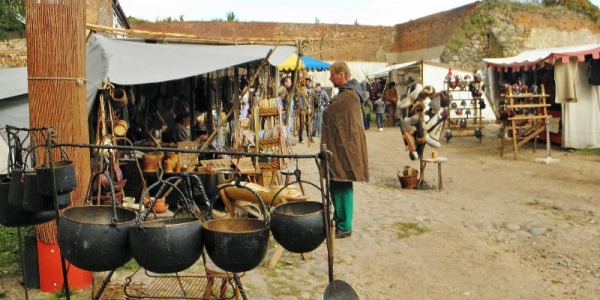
(231, 17)
(9, 250)
(131, 19)
(12, 15)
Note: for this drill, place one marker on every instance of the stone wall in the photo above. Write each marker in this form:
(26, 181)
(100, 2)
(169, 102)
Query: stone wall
(13, 54)
(323, 41)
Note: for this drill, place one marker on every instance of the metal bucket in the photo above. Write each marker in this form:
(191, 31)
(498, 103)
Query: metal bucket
(167, 245)
(95, 238)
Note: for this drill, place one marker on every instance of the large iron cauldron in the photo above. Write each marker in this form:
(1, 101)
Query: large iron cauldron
(168, 245)
(298, 226)
(236, 245)
(94, 238)
(15, 217)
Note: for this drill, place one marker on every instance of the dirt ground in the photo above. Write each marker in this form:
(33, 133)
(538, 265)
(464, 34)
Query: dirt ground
(499, 229)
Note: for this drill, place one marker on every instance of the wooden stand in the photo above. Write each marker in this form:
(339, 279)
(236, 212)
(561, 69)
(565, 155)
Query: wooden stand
(464, 113)
(527, 119)
(268, 120)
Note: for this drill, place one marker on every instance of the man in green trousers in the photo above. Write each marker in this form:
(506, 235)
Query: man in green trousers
(343, 134)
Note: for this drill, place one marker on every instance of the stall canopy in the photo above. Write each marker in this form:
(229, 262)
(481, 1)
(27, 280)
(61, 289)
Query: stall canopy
(580, 117)
(531, 59)
(305, 63)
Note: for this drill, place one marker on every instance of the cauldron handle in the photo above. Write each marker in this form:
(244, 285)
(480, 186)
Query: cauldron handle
(291, 183)
(236, 184)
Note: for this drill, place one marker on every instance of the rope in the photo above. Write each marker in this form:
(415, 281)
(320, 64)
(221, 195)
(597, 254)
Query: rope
(79, 81)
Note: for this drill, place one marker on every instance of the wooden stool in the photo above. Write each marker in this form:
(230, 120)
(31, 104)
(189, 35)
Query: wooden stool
(292, 172)
(439, 160)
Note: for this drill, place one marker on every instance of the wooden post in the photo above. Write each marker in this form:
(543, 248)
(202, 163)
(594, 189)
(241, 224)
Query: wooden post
(57, 90)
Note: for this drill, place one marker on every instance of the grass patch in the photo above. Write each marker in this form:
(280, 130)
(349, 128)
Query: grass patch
(9, 250)
(590, 151)
(553, 209)
(408, 229)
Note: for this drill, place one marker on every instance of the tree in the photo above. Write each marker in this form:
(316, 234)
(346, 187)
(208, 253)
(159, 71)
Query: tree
(12, 18)
(231, 17)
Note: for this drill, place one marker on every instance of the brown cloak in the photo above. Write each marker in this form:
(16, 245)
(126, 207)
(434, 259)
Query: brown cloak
(343, 133)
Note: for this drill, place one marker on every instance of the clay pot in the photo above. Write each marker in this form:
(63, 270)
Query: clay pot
(160, 206)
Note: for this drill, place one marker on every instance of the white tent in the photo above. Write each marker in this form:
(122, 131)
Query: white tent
(580, 118)
(427, 73)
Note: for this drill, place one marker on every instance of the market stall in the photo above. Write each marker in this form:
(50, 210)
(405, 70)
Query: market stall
(568, 75)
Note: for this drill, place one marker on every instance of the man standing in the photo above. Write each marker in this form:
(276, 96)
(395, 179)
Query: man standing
(379, 109)
(343, 135)
(282, 95)
(320, 102)
(391, 100)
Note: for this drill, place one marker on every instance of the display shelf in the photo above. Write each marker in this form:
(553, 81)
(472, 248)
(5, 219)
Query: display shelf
(268, 138)
(464, 110)
(523, 117)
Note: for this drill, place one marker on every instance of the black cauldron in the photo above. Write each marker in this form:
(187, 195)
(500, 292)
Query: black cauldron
(34, 201)
(15, 217)
(64, 175)
(236, 245)
(167, 245)
(94, 238)
(298, 226)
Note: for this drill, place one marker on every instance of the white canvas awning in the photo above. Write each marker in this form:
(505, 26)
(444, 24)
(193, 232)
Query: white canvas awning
(386, 71)
(539, 57)
(13, 82)
(129, 62)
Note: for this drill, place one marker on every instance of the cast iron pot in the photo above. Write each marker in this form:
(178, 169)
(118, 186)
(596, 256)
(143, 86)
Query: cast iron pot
(237, 245)
(64, 174)
(298, 226)
(94, 238)
(17, 188)
(14, 217)
(34, 201)
(166, 245)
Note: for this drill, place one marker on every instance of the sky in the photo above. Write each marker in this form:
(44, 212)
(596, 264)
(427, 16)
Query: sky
(347, 12)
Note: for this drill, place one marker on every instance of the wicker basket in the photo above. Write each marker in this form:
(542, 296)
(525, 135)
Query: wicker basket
(264, 112)
(408, 181)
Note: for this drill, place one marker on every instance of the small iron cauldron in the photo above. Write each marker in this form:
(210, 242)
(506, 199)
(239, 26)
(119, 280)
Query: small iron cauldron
(15, 217)
(33, 200)
(167, 245)
(237, 245)
(94, 238)
(298, 226)
(64, 174)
